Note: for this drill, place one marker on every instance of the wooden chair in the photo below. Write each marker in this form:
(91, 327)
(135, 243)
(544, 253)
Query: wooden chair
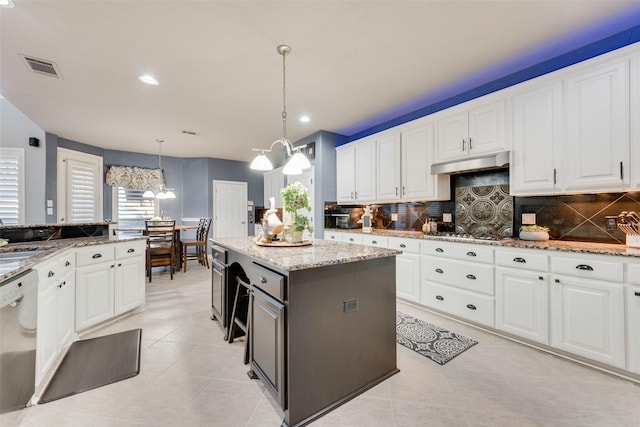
(200, 245)
(161, 248)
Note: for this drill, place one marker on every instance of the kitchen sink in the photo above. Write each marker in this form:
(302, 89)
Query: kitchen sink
(18, 255)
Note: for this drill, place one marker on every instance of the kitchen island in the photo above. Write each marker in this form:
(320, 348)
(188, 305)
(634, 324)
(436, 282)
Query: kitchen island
(321, 320)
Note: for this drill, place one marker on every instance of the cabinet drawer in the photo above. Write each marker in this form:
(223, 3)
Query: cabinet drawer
(269, 281)
(373, 240)
(333, 236)
(352, 238)
(475, 307)
(465, 251)
(130, 249)
(522, 260)
(461, 274)
(94, 254)
(405, 245)
(588, 267)
(66, 262)
(48, 274)
(634, 274)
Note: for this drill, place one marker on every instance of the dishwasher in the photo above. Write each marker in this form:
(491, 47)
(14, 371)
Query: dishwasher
(18, 322)
(218, 284)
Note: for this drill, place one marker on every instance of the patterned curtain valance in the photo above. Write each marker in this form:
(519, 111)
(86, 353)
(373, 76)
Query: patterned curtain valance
(135, 178)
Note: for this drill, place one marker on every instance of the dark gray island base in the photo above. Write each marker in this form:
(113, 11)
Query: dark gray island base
(321, 320)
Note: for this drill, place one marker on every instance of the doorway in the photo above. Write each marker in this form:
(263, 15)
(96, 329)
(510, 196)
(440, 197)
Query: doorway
(230, 209)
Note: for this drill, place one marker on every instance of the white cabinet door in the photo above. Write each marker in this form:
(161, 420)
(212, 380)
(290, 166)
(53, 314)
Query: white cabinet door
(365, 189)
(94, 294)
(418, 153)
(487, 128)
(66, 313)
(345, 174)
(273, 183)
(634, 91)
(633, 321)
(129, 284)
(587, 318)
(453, 134)
(597, 146)
(47, 339)
(408, 276)
(536, 156)
(522, 306)
(389, 167)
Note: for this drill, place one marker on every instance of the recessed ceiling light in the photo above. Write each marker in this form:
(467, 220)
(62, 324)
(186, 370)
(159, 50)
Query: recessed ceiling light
(6, 3)
(305, 119)
(147, 78)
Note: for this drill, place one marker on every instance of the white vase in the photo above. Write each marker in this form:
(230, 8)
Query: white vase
(538, 236)
(296, 236)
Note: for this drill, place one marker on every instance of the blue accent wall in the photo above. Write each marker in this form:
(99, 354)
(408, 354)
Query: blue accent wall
(614, 33)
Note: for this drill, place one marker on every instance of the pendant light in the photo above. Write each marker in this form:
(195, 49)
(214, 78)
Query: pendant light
(163, 192)
(298, 161)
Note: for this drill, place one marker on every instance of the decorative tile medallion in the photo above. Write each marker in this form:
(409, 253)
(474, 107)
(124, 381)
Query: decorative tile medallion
(485, 210)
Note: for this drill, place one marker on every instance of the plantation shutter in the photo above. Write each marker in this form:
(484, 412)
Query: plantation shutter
(133, 209)
(83, 180)
(12, 186)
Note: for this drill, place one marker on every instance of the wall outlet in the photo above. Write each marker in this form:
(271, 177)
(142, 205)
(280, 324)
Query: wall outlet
(528, 218)
(611, 222)
(446, 217)
(394, 217)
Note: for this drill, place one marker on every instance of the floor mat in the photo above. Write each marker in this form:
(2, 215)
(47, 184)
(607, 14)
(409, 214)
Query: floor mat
(431, 341)
(95, 362)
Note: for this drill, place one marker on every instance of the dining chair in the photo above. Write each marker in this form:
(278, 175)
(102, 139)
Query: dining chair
(161, 248)
(200, 245)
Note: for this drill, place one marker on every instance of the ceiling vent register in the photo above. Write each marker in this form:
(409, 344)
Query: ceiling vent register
(41, 66)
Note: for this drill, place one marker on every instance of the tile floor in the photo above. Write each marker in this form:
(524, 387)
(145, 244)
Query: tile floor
(191, 377)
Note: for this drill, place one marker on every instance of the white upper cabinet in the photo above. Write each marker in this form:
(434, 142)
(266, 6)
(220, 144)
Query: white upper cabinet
(536, 141)
(597, 114)
(356, 172)
(471, 129)
(389, 168)
(273, 183)
(634, 91)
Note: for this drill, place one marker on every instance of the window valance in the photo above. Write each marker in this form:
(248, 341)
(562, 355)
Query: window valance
(135, 178)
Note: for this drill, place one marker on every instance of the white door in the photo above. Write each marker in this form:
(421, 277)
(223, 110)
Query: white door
(79, 187)
(306, 179)
(229, 209)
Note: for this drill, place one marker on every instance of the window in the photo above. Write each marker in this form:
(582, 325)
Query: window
(130, 209)
(12, 186)
(79, 187)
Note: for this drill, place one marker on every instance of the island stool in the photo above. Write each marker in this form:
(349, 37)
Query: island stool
(240, 316)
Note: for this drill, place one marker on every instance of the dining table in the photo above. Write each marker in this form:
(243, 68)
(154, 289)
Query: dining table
(176, 238)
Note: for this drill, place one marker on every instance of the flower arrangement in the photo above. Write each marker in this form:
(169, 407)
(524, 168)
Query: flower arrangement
(295, 196)
(534, 232)
(534, 227)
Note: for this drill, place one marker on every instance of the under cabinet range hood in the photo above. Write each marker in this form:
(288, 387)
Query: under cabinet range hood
(490, 161)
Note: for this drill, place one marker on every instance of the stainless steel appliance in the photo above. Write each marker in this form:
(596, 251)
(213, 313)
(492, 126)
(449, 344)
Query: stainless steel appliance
(18, 324)
(218, 284)
(347, 217)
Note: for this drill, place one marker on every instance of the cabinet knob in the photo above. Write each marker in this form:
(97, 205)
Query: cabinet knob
(67, 264)
(584, 267)
(51, 274)
(263, 279)
(557, 280)
(637, 294)
(518, 259)
(374, 242)
(540, 278)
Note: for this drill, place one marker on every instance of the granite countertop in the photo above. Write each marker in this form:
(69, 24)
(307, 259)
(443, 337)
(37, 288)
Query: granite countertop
(63, 224)
(49, 249)
(321, 253)
(551, 245)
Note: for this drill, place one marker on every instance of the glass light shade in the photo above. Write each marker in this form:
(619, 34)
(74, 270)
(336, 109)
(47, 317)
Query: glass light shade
(261, 163)
(148, 194)
(291, 169)
(170, 194)
(161, 195)
(300, 161)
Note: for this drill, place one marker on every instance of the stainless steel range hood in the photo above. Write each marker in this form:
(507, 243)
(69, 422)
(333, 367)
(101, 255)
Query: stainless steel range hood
(490, 161)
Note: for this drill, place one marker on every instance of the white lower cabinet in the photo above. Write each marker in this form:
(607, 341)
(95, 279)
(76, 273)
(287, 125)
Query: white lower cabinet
(522, 303)
(407, 268)
(633, 322)
(56, 314)
(587, 318)
(109, 281)
(335, 236)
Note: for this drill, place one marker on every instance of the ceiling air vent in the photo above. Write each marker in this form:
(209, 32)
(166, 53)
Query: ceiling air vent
(41, 66)
(190, 132)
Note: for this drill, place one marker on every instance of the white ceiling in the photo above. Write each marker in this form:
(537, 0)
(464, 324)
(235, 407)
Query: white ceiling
(220, 74)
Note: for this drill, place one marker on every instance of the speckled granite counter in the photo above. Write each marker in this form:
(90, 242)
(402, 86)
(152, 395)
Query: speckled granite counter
(321, 253)
(551, 245)
(50, 249)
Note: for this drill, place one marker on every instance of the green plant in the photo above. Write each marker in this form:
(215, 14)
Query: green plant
(295, 196)
(534, 227)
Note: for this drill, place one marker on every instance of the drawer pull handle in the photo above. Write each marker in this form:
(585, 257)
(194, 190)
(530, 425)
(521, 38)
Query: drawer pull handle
(471, 253)
(130, 251)
(96, 256)
(518, 259)
(351, 239)
(471, 307)
(439, 250)
(439, 298)
(402, 245)
(67, 264)
(51, 274)
(557, 280)
(540, 278)
(439, 270)
(584, 267)
(374, 242)
(263, 279)
(637, 294)
(333, 237)
(471, 277)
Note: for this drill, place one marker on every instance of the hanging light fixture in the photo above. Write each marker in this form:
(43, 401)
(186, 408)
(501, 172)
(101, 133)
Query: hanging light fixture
(298, 161)
(163, 192)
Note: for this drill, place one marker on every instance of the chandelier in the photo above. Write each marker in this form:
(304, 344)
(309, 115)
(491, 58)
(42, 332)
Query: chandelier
(298, 161)
(163, 192)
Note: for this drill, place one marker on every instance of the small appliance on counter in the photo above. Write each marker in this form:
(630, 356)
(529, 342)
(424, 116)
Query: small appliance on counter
(342, 216)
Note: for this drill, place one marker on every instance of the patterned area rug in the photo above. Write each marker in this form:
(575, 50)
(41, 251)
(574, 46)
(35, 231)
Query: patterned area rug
(429, 340)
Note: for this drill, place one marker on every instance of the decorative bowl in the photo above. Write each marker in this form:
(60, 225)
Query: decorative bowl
(538, 236)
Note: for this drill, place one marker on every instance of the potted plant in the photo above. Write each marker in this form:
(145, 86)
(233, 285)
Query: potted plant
(295, 196)
(534, 232)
